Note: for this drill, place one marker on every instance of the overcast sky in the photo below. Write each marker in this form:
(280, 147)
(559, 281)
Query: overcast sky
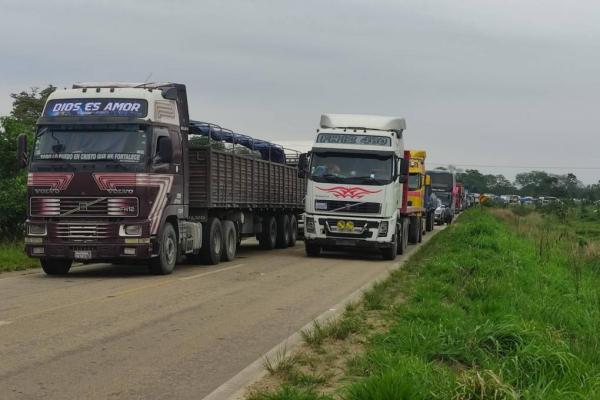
(498, 83)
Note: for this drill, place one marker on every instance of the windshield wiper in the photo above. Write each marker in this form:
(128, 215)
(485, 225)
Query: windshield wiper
(367, 179)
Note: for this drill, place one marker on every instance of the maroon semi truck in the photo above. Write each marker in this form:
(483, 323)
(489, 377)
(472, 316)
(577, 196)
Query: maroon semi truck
(119, 173)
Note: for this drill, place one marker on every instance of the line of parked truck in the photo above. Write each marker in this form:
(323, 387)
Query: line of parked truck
(119, 173)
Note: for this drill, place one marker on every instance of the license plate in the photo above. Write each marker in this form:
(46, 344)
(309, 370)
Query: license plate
(82, 255)
(345, 242)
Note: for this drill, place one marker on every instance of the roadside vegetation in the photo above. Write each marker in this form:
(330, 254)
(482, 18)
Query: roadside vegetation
(504, 304)
(13, 258)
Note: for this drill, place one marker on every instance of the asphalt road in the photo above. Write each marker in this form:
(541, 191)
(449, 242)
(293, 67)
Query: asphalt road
(108, 331)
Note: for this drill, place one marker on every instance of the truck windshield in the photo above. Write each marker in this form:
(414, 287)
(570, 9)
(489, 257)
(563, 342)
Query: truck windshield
(367, 169)
(414, 181)
(445, 198)
(81, 143)
(442, 181)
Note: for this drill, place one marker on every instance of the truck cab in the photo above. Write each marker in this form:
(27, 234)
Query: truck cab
(356, 178)
(419, 190)
(443, 186)
(106, 175)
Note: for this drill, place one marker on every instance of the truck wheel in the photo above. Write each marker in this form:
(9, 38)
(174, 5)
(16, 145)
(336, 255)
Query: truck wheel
(389, 253)
(421, 230)
(230, 241)
(268, 237)
(430, 222)
(404, 238)
(167, 254)
(312, 250)
(283, 231)
(293, 230)
(414, 227)
(212, 242)
(56, 267)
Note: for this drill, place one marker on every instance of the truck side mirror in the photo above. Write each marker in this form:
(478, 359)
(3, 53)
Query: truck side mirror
(22, 150)
(427, 180)
(303, 165)
(403, 170)
(164, 150)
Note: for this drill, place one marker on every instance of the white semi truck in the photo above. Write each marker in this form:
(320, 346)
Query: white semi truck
(356, 188)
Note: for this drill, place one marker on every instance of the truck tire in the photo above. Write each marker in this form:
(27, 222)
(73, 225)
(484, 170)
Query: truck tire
(230, 241)
(268, 238)
(312, 250)
(414, 227)
(168, 252)
(421, 229)
(389, 253)
(283, 231)
(56, 267)
(404, 239)
(430, 221)
(212, 242)
(293, 230)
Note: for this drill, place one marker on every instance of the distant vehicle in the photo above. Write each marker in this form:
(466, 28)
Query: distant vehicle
(443, 185)
(419, 189)
(545, 200)
(357, 190)
(476, 198)
(514, 199)
(527, 200)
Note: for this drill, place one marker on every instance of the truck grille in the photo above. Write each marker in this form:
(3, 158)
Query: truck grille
(82, 231)
(350, 207)
(84, 206)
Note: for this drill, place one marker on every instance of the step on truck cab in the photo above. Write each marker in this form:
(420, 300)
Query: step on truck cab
(356, 188)
(119, 173)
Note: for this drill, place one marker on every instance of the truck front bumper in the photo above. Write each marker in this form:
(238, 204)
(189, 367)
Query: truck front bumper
(321, 231)
(91, 252)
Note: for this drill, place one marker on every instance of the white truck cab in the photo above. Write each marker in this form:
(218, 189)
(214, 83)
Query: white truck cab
(355, 188)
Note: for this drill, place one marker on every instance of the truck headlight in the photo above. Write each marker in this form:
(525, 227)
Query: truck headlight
(320, 205)
(36, 229)
(383, 228)
(130, 230)
(310, 224)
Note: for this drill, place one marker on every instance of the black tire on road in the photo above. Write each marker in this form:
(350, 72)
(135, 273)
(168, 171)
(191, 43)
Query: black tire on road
(56, 267)
(268, 237)
(404, 238)
(168, 252)
(212, 242)
(283, 231)
(293, 230)
(421, 230)
(312, 250)
(430, 221)
(414, 227)
(230, 241)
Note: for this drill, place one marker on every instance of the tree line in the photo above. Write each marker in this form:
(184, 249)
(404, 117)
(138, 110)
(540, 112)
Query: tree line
(26, 108)
(532, 183)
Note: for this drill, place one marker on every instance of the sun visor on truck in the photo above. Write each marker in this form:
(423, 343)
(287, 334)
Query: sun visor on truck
(355, 121)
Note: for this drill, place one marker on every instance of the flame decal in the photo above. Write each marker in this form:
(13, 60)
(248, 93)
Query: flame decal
(162, 182)
(355, 192)
(52, 180)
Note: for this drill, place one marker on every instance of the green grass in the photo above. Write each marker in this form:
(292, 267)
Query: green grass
(495, 307)
(13, 258)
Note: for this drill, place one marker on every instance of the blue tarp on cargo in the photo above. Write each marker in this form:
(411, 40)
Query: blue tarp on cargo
(267, 150)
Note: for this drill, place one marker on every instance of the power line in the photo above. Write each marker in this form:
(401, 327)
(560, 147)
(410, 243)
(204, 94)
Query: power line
(516, 166)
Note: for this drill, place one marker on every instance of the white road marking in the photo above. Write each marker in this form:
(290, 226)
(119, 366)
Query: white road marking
(211, 272)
